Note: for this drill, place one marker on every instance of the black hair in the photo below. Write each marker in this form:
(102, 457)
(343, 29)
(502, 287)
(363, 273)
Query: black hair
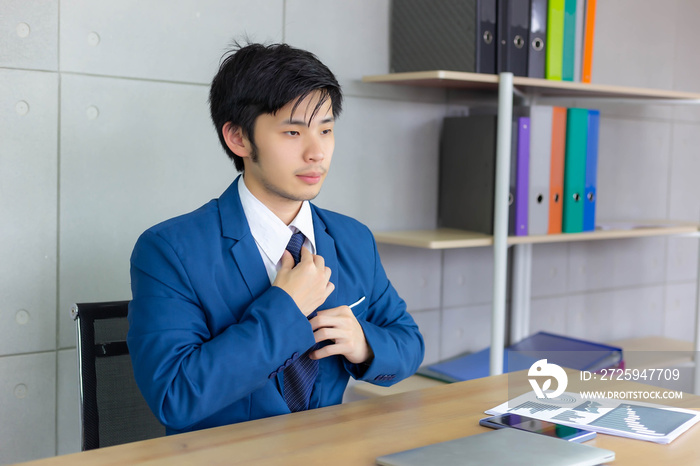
(256, 79)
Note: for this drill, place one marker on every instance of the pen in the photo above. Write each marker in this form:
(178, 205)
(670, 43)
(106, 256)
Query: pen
(356, 303)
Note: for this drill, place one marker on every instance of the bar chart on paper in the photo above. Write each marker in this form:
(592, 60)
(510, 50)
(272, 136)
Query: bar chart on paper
(642, 420)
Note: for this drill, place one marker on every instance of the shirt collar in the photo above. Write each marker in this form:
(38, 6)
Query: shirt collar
(269, 232)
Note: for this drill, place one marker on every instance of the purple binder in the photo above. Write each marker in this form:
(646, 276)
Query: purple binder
(523, 176)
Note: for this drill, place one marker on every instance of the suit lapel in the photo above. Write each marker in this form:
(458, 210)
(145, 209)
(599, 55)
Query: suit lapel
(325, 247)
(245, 252)
(250, 265)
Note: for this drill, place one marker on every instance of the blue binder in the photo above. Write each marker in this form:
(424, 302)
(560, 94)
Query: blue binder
(569, 352)
(589, 200)
(476, 365)
(563, 351)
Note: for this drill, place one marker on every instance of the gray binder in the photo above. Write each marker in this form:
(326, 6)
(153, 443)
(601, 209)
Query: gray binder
(537, 41)
(540, 163)
(513, 30)
(455, 35)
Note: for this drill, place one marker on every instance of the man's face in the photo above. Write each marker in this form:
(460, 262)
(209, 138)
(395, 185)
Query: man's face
(293, 155)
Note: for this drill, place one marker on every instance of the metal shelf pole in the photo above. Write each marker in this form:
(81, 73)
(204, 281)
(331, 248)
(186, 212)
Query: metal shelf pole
(500, 221)
(522, 291)
(696, 353)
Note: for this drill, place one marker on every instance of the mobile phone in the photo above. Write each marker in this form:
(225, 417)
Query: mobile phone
(516, 421)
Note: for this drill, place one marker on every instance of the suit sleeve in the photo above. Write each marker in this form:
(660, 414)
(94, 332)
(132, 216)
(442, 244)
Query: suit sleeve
(185, 373)
(390, 331)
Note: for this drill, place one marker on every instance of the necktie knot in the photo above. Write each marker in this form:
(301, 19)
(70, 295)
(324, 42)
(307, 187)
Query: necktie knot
(294, 246)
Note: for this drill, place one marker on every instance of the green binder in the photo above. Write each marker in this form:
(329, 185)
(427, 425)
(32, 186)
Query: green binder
(569, 42)
(555, 39)
(575, 169)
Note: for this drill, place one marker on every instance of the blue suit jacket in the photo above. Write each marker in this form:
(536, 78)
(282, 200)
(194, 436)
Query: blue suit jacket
(209, 337)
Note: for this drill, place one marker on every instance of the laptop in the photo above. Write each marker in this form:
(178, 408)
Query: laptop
(501, 447)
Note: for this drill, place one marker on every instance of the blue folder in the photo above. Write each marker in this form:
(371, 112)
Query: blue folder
(591, 171)
(563, 351)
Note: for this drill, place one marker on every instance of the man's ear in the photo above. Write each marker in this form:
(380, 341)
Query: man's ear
(235, 140)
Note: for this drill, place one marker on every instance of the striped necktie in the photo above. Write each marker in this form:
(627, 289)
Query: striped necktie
(299, 377)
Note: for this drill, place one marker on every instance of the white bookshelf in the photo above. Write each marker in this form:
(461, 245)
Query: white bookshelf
(504, 86)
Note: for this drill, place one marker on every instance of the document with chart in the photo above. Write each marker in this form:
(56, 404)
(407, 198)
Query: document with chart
(625, 418)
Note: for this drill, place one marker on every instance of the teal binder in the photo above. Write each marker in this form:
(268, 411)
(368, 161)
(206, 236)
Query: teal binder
(569, 42)
(575, 169)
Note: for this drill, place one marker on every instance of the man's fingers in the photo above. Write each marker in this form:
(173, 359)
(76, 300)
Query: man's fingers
(327, 333)
(287, 261)
(305, 255)
(328, 350)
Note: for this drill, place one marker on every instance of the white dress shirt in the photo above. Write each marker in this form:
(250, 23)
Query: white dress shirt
(270, 233)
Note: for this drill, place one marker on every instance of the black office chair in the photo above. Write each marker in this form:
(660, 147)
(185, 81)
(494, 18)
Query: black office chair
(112, 409)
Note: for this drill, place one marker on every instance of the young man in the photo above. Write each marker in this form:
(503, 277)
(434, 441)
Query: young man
(224, 327)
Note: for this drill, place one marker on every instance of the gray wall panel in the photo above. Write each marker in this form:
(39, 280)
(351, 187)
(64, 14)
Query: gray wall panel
(429, 325)
(467, 277)
(68, 410)
(616, 314)
(415, 273)
(685, 76)
(173, 41)
(133, 153)
(679, 318)
(465, 329)
(28, 407)
(633, 169)
(684, 202)
(600, 265)
(29, 34)
(634, 43)
(28, 154)
(549, 269)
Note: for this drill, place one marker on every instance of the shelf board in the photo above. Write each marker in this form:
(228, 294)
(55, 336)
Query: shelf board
(446, 238)
(542, 87)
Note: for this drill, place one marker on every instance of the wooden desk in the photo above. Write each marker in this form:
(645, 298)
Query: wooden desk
(356, 433)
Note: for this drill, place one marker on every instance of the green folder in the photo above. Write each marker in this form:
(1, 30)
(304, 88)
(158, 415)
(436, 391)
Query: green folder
(569, 43)
(575, 169)
(555, 39)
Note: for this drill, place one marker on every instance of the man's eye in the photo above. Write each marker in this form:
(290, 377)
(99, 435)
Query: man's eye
(292, 133)
(327, 131)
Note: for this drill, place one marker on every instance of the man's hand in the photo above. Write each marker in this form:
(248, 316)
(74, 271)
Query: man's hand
(308, 283)
(341, 327)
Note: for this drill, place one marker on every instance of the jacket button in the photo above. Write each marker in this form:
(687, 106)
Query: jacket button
(295, 355)
(287, 362)
(272, 375)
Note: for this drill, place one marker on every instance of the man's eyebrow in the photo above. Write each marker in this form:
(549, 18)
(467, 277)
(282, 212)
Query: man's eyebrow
(306, 123)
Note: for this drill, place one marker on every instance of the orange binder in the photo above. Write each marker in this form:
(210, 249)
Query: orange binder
(589, 31)
(556, 173)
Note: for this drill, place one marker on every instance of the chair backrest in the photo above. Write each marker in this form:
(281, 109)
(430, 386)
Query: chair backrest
(113, 410)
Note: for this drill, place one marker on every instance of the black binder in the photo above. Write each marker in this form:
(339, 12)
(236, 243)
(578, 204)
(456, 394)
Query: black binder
(513, 31)
(454, 35)
(486, 36)
(537, 39)
(467, 173)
